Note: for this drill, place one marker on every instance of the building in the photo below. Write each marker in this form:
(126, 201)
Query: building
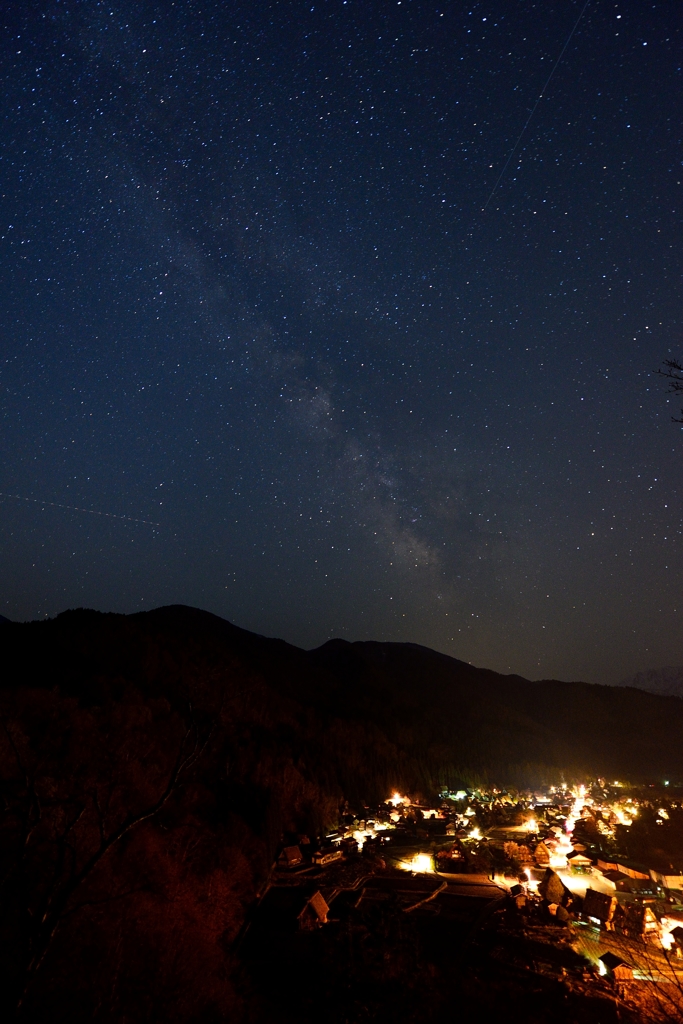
(677, 936)
(579, 863)
(542, 855)
(599, 908)
(665, 875)
(635, 921)
(314, 913)
(614, 967)
(323, 857)
(291, 857)
(625, 868)
(674, 880)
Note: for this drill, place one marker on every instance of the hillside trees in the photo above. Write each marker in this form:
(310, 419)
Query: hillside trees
(86, 790)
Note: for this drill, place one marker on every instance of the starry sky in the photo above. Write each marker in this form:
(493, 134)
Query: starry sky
(268, 315)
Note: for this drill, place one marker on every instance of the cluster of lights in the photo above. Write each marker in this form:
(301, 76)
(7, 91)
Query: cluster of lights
(420, 863)
(396, 800)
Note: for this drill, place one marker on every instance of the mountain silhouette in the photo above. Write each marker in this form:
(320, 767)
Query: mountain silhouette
(152, 764)
(667, 681)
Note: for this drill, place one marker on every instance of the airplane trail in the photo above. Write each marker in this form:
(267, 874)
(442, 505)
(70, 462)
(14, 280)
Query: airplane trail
(540, 97)
(75, 508)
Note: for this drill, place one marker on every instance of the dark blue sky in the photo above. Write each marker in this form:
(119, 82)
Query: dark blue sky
(250, 294)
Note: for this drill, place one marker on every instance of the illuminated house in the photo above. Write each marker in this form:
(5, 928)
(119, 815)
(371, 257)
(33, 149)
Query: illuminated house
(669, 879)
(635, 921)
(614, 967)
(599, 908)
(291, 857)
(677, 936)
(542, 855)
(579, 863)
(674, 880)
(323, 857)
(314, 913)
(624, 868)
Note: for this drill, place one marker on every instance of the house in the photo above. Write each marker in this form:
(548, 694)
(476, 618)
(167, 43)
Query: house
(674, 880)
(323, 857)
(314, 913)
(635, 920)
(542, 855)
(664, 874)
(639, 889)
(633, 871)
(291, 857)
(677, 936)
(579, 863)
(599, 908)
(614, 967)
(616, 878)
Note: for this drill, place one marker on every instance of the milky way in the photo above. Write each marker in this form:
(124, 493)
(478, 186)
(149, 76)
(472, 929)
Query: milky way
(253, 292)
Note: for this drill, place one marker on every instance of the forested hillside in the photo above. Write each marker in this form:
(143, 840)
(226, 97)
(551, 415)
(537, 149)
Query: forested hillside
(151, 763)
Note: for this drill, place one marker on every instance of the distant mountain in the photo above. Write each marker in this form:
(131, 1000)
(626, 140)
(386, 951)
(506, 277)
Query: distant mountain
(667, 681)
(150, 765)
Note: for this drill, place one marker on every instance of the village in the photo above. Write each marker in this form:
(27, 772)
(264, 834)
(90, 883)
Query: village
(542, 879)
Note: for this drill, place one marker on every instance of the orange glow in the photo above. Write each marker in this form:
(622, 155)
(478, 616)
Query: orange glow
(397, 799)
(421, 862)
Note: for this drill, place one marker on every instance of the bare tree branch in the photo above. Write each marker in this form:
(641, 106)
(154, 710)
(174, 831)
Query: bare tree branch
(56, 906)
(674, 375)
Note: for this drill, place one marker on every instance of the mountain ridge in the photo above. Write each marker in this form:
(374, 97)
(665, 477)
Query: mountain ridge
(666, 681)
(478, 719)
(152, 765)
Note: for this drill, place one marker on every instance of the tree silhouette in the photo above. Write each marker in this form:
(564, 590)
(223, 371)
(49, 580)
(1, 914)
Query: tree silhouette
(56, 835)
(674, 375)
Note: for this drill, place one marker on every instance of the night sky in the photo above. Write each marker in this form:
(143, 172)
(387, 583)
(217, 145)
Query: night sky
(251, 296)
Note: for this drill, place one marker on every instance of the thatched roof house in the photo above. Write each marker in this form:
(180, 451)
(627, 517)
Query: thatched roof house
(634, 920)
(599, 906)
(290, 857)
(314, 912)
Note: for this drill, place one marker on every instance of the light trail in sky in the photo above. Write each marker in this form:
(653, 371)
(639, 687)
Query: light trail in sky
(75, 508)
(533, 111)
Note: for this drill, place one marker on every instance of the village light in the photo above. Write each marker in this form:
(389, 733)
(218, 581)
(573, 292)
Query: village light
(531, 882)
(421, 862)
(667, 925)
(397, 799)
(623, 818)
